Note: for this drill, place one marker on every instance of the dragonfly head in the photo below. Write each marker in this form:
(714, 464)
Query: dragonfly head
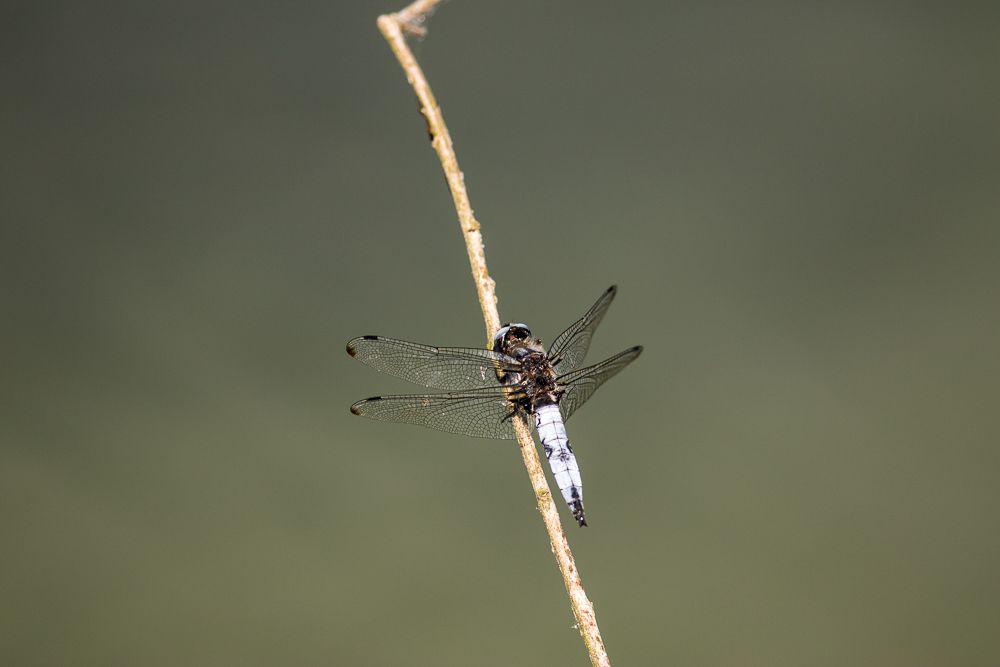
(509, 336)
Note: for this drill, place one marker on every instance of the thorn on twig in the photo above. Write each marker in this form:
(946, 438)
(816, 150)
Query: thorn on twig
(427, 121)
(413, 19)
(414, 28)
(415, 25)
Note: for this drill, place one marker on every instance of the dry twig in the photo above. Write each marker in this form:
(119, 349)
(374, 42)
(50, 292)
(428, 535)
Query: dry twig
(411, 19)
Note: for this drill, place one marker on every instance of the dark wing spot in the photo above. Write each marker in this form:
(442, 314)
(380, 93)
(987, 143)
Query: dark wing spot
(356, 408)
(351, 350)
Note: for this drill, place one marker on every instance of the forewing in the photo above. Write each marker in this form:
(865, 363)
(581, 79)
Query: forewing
(581, 384)
(482, 413)
(570, 347)
(438, 367)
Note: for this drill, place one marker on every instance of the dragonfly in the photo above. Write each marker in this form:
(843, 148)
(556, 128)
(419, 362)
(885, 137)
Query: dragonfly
(486, 388)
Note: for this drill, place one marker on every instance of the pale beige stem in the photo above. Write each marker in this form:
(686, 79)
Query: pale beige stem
(411, 19)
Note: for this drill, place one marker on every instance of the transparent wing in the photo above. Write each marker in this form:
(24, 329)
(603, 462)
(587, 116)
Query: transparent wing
(482, 413)
(439, 367)
(581, 384)
(570, 347)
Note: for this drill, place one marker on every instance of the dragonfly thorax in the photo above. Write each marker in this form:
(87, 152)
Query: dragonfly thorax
(536, 380)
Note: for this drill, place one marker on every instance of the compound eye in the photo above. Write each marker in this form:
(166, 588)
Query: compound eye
(500, 337)
(509, 334)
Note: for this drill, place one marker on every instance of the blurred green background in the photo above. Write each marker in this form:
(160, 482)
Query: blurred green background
(203, 201)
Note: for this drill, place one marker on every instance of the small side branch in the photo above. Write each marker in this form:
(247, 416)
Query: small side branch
(411, 19)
